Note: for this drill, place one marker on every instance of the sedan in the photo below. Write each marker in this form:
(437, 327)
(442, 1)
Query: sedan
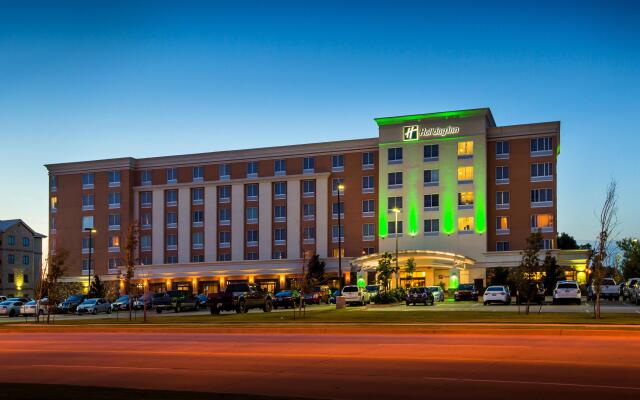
(10, 308)
(466, 292)
(286, 299)
(121, 304)
(496, 294)
(201, 300)
(94, 306)
(30, 308)
(437, 292)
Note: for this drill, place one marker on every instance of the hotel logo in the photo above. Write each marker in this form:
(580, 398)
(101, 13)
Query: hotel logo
(410, 133)
(414, 132)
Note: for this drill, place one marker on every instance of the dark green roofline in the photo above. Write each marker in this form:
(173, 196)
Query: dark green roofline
(445, 114)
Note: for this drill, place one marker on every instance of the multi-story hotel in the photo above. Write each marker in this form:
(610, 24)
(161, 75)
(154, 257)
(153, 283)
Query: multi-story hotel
(452, 190)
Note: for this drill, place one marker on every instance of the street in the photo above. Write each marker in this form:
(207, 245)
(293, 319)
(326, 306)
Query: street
(336, 366)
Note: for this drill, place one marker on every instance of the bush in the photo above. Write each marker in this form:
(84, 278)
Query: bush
(389, 296)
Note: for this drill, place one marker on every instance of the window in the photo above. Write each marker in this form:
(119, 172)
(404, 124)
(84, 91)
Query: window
(279, 255)
(114, 263)
(431, 202)
(25, 260)
(394, 202)
(172, 175)
(251, 255)
(52, 225)
(335, 252)
(224, 238)
(197, 240)
(368, 208)
(145, 242)
(114, 243)
(308, 188)
(87, 243)
(145, 220)
(172, 220)
(465, 224)
(11, 259)
(145, 178)
(465, 200)
(394, 155)
(224, 216)
(308, 165)
(394, 180)
(502, 200)
(11, 240)
(541, 146)
(146, 260)
(541, 172)
(541, 197)
(280, 190)
(114, 221)
(502, 150)
(54, 203)
(224, 172)
(431, 152)
(280, 167)
(252, 237)
(502, 225)
(87, 202)
(87, 222)
(252, 191)
(431, 227)
(465, 149)
(502, 246)
(279, 213)
(146, 199)
(368, 250)
(368, 184)
(197, 174)
(367, 160)
(431, 177)
(172, 198)
(308, 212)
(87, 180)
(542, 222)
(547, 244)
(337, 163)
(252, 215)
(502, 174)
(197, 196)
(465, 174)
(114, 178)
(368, 232)
(53, 183)
(280, 236)
(338, 208)
(335, 183)
(172, 242)
(337, 233)
(197, 219)
(224, 256)
(224, 194)
(171, 259)
(309, 234)
(252, 169)
(391, 228)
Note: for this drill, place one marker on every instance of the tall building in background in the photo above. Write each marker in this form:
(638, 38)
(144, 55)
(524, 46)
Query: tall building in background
(20, 258)
(452, 190)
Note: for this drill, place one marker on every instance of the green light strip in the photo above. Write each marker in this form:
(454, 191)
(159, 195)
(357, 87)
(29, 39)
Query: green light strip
(480, 196)
(383, 216)
(446, 114)
(413, 200)
(449, 195)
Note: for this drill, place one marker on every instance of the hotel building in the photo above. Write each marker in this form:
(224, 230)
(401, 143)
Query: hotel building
(452, 190)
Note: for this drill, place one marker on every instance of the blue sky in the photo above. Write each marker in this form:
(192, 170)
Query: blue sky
(90, 80)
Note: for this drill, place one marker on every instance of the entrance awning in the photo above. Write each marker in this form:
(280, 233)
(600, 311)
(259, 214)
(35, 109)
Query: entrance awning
(423, 259)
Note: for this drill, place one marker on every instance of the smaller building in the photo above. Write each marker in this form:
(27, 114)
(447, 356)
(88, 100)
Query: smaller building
(20, 258)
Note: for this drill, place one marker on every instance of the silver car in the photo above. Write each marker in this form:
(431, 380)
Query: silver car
(437, 292)
(30, 307)
(94, 306)
(11, 308)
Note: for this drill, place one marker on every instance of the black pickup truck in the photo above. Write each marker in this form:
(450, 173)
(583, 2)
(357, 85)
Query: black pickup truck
(175, 300)
(240, 297)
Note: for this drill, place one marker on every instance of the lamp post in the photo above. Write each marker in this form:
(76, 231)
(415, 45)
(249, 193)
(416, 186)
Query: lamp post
(340, 188)
(396, 210)
(91, 232)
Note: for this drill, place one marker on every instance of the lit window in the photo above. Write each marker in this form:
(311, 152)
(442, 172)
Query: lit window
(87, 222)
(465, 199)
(465, 149)
(465, 224)
(465, 174)
(542, 222)
(502, 223)
(54, 202)
(114, 241)
(335, 252)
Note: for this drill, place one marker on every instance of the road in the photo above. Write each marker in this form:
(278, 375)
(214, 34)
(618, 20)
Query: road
(337, 366)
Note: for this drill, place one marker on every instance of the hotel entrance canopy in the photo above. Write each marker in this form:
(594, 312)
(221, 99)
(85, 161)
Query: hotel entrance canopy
(422, 258)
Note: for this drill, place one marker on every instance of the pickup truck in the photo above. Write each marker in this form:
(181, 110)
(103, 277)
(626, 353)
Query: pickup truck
(240, 297)
(608, 290)
(175, 300)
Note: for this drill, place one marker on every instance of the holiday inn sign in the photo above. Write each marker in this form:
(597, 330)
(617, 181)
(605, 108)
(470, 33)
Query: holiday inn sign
(413, 132)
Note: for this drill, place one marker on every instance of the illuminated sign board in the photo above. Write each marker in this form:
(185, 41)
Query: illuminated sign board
(413, 132)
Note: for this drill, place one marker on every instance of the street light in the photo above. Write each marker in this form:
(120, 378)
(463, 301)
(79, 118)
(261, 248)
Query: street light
(340, 189)
(91, 232)
(396, 210)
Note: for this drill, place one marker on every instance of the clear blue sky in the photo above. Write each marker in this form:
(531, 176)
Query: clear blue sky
(90, 80)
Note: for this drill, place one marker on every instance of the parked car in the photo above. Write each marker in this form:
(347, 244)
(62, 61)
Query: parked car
(3, 298)
(355, 295)
(94, 306)
(240, 297)
(495, 294)
(176, 300)
(466, 292)
(324, 293)
(138, 303)
(567, 291)
(286, 299)
(122, 303)
(312, 298)
(30, 307)
(373, 290)
(535, 294)
(10, 308)
(437, 292)
(634, 293)
(608, 290)
(419, 294)
(335, 294)
(629, 287)
(70, 304)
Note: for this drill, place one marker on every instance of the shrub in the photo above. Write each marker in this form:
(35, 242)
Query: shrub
(389, 296)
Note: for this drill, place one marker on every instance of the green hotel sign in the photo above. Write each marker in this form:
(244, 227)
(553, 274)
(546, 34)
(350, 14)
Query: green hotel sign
(414, 132)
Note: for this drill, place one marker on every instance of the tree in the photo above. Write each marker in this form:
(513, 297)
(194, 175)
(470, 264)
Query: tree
(607, 223)
(552, 272)
(526, 274)
(500, 276)
(55, 269)
(315, 271)
(630, 257)
(410, 268)
(385, 270)
(97, 288)
(130, 260)
(566, 242)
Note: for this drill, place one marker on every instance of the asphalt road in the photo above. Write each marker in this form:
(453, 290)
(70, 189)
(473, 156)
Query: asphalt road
(340, 366)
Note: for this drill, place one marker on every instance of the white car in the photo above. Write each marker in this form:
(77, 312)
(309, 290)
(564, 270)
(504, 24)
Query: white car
(495, 294)
(356, 295)
(10, 308)
(567, 291)
(30, 307)
(437, 292)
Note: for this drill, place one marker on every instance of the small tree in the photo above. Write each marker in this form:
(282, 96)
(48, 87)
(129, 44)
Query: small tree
(97, 288)
(410, 268)
(526, 274)
(384, 271)
(131, 260)
(55, 269)
(315, 271)
(500, 276)
(566, 242)
(552, 272)
(607, 224)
